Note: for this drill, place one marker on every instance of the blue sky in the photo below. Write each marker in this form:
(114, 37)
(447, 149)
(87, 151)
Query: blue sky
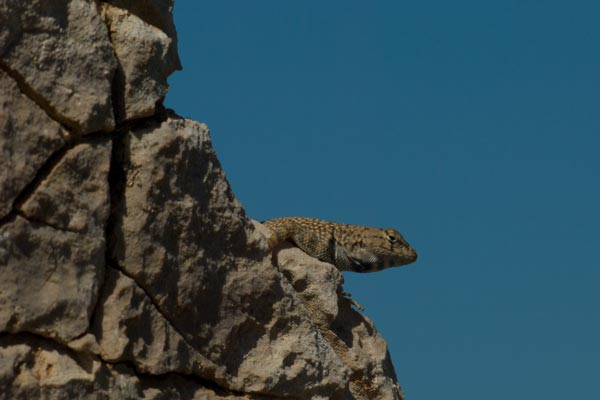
(472, 127)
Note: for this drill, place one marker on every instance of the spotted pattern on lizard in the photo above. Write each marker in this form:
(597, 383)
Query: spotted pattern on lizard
(349, 247)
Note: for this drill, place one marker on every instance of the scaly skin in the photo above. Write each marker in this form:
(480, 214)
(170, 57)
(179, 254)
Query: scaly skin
(349, 247)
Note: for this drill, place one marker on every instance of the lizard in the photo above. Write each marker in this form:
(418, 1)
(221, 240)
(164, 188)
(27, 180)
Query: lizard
(348, 247)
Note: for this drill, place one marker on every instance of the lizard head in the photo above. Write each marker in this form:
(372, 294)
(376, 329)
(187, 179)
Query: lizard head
(381, 249)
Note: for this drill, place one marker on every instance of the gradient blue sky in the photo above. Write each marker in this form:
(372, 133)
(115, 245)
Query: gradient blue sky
(472, 127)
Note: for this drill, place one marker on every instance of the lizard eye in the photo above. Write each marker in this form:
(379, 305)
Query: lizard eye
(391, 238)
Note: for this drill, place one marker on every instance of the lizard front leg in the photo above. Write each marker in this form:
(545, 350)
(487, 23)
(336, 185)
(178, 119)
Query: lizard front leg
(346, 296)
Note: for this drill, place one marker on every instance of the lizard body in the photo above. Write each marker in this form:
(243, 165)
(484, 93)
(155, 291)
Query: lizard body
(349, 247)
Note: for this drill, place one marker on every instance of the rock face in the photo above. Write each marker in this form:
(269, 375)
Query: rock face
(128, 269)
(60, 54)
(25, 130)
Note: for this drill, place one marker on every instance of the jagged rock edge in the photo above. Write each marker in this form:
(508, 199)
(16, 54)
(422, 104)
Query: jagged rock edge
(117, 182)
(45, 170)
(113, 183)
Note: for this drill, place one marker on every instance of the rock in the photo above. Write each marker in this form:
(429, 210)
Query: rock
(175, 387)
(128, 269)
(142, 53)
(159, 14)
(32, 368)
(183, 237)
(49, 279)
(125, 315)
(60, 54)
(52, 265)
(351, 334)
(74, 196)
(25, 129)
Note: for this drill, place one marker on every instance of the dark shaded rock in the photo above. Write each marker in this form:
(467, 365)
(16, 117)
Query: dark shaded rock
(74, 196)
(49, 279)
(28, 137)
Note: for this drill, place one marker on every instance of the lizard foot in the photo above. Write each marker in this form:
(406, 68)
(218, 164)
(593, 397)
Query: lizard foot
(353, 302)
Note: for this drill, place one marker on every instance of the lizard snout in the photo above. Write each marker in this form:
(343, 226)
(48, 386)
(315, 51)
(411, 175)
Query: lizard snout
(411, 255)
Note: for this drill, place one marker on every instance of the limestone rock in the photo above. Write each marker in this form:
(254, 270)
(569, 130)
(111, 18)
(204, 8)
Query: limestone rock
(60, 54)
(125, 315)
(130, 329)
(128, 269)
(177, 387)
(159, 14)
(351, 334)
(32, 368)
(52, 265)
(142, 52)
(25, 129)
(182, 236)
(49, 279)
(74, 196)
